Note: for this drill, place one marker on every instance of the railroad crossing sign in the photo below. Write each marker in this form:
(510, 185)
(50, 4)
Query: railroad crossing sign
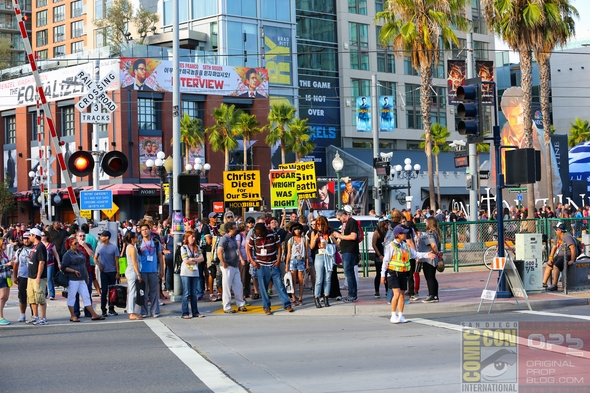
(96, 97)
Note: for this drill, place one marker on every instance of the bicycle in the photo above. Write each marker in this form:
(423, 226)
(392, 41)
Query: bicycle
(492, 251)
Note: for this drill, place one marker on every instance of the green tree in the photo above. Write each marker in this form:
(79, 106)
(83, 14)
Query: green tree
(222, 135)
(579, 132)
(6, 197)
(417, 28)
(439, 135)
(559, 27)
(192, 135)
(521, 24)
(6, 54)
(246, 127)
(118, 19)
(280, 118)
(299, 139)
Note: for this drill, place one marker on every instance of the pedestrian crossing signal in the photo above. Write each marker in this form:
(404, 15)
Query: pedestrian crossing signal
(81, 163)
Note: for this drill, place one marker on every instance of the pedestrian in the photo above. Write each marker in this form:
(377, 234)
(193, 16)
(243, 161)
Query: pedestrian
(378, 246)
(430, 241)
(150, 257)
(227, 251)
(53, 262)
(74, 265)
(297, 258)
(397, 255)
(266, 248)
(37, 282)
(189, 274)
(320, 236)
(211, 236)
(6, 267)
(132, 274)
(20, 274)
(107, 260)
(349, 249)
(244, 266)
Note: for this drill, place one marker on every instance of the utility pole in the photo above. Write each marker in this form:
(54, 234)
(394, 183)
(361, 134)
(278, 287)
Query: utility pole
(375, 121)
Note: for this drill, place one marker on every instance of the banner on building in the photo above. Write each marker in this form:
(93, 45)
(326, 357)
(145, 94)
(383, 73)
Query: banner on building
(353, 192)
(485, 71)
(283, 189)
(241, 189)
(386, 109)
(455, 78)
(277, 51)
(306, 178)
(156, 75)
(149, 146)
(363, 114)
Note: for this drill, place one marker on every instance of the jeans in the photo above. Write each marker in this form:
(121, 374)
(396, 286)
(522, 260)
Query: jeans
(151, 294)
(265, 275)
(50, 286)
(323, 276)
(350, 260)
(169, 274)
(190, 288)
(106, 279)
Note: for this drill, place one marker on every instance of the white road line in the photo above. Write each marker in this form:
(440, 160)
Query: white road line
(443, 325)
(204, 370)
(554, 314)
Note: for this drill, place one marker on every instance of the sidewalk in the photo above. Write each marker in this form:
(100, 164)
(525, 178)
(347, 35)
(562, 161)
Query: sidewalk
(458, 292)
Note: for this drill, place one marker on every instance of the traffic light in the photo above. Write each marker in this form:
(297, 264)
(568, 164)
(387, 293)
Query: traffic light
(81, 163)
(114, 163)
(470, 112)
(189, 184)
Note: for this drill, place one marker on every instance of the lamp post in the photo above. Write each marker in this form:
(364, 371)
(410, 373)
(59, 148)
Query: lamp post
(338, 164)
(168, 164)
(201, 170)
(161, 172)
(407, 172)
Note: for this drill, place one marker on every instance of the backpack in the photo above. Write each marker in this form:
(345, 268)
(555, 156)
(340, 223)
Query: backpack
(361, 234)
(579, 247)
(177, 259)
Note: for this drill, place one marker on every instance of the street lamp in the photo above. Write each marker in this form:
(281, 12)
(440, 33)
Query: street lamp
(338, 164)
(161, 172)
(201, 170)
(168, 164)
(407, 172)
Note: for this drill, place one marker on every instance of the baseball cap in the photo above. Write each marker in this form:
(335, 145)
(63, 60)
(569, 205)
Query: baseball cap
(105, 233)
(212, 215)
(399, 229)
(439, 211)
(27, 235)
(560, 226)
(36, 232)
(348, 209)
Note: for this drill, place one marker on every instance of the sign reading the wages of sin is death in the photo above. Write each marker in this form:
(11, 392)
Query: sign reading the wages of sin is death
(241, 189)
(283, 189)
(306, 180)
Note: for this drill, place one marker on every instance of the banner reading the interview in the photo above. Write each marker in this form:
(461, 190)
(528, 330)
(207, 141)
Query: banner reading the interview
(156, 75)
(283, 189)
(241, 189)
(306, 178)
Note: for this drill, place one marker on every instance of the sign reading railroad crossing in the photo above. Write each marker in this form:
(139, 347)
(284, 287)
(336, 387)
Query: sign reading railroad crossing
(97, 97)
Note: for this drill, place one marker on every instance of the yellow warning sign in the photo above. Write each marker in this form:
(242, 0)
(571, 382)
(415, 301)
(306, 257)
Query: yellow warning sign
(111, 212)
(87, 214)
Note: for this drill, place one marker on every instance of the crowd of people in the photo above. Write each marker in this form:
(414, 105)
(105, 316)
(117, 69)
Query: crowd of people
(223, 258)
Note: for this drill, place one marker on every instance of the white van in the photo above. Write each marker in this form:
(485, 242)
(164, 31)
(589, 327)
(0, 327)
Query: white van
(365, 222)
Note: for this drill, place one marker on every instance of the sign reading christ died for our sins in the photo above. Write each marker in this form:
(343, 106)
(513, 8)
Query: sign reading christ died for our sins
(241, 189)
(306, 179)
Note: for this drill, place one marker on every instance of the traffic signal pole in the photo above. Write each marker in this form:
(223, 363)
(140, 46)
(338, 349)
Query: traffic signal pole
(95, 150)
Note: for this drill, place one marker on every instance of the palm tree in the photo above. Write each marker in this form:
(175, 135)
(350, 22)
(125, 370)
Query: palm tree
(417, 28)
(560, 26)
(521, 24)
(280, 118)
(299, 139)
(579, 132)
(192, 136)
(222, 135)
(247, 127)
(439, 135)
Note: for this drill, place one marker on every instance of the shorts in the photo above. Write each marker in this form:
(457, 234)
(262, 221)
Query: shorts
(297, 264)
(22, 290)
(36, 293)
(253, 271)
(3, 283)
(397, 280)
(213, 269)
(558, 262)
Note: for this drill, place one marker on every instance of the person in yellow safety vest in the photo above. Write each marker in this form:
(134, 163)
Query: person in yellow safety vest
(396, 264)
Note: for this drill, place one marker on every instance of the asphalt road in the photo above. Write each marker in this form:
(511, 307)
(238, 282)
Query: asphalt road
(240, 352)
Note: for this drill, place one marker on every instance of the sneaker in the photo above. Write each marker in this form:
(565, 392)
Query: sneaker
(552, 288)
(41, 321)
(289, 309)
(267, 311)
(338, 298)
(143, 315)
(349, 299)
(161, 303)
(242, 309)
(544, 286)
(414, 298)
(269, 292)
(155, 315)
(112, 313)
(230, 311)
(402, 319)
(430, 299)
(4, 322)
(104, 314)
(22, 318)
(33, 320)
(377, 296)
(394, 319)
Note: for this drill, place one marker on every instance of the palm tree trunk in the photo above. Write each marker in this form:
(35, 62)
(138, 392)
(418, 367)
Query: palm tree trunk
(544, 69)
(425, 101)
(246, 142)
(526, 59)
(282, 152)
(187, 201)
(226, 158)
(437, 181)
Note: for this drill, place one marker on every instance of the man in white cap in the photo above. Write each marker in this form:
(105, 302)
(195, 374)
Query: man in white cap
(37, 282)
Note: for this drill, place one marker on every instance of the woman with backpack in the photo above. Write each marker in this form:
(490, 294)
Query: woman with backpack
(52, 259)
(297, 258)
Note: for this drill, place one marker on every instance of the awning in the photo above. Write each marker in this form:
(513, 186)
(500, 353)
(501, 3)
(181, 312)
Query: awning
(450, 190)
(138, 189)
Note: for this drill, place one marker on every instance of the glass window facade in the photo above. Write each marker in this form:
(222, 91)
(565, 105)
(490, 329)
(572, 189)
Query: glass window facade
(76, 8)
(59, 13)
(59, 33)
(357, 7)
(10, 127)
(149, 114)
(68, 118)
(276, 10)
(41, 18)
(77, 29)
(242, 7)
(242, 44)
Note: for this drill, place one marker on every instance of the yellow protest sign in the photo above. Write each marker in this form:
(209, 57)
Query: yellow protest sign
(241, 189)
(307, 186)
(283, 189)
(87, 214)
(111, 212)
(166, 187)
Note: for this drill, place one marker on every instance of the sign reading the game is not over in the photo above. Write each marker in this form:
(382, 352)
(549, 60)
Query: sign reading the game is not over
(241, 189)
(283, 189)
(306, 179)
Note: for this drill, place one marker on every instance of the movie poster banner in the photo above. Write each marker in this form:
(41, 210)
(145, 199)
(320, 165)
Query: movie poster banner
(386, 121)
(363, 114)
(283, 189)
(455, 78)
(485, 71)
(156, 75)
(149, 146)
(353, 192)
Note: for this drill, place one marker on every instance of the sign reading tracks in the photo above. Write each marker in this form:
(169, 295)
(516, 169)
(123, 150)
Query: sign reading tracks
(96, 91)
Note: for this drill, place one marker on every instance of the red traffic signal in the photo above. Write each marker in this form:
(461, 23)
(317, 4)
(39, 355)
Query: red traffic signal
(81, 163)
(114, 163)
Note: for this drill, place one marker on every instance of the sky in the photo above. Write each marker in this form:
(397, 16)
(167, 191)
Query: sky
(582, 29)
